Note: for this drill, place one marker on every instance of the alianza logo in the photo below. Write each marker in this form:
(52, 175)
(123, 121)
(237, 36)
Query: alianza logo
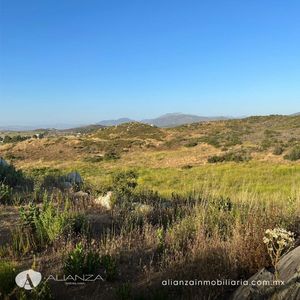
(69, 279)
(28, 279)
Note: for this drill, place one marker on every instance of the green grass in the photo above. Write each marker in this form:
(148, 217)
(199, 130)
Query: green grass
(262, 178)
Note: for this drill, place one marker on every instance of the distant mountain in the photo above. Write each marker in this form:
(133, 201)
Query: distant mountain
(167, 120)
(39, 127)
(296, 114)
(16, 128)
(114, 122)
(176, 119)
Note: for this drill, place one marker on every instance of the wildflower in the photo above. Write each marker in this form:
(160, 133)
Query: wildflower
(278, 241)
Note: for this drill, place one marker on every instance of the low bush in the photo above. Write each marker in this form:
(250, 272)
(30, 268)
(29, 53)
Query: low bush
(42, 226)
(81, 261)
(294, 154)
(23, 241)
(111, 155)
(46, 223)
(94, 159)
(15, 139)
(14, 178)
(187, 167)
(7, 278)
(191, 144)
(230, 156)
(124, 292)
(266, 144)
(78, 224)
(41, 292)
(232, 140)
(5, 193)
(123, 186)
(212, 140)
(110, 266)
(278, 150)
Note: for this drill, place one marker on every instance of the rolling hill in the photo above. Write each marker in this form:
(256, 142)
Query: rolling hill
(167, 120)
(176, 119)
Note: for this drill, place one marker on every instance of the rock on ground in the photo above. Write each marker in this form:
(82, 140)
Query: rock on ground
(289, 273)
(105, 201)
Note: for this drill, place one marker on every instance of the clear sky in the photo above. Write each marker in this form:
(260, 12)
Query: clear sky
(81, 61)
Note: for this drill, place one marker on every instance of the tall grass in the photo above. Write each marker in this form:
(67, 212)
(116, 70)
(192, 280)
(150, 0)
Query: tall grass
(217, 238)
(204, 223)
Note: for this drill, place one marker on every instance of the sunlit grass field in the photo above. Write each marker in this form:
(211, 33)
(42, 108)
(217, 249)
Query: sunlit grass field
(228, 179)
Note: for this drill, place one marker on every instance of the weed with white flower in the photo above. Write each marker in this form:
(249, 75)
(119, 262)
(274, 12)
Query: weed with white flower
(278, 241)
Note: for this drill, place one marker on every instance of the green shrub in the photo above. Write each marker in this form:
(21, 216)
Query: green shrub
(123, 292)
(160, 234)
(7, 278)
(94, 159)
(212, 140)
(111, 155)
(232, 140)
(270, 133)
(79, 224)
(15, 139)
(294, 154)
(219, 217)
(23, 241)
(53, 221)
(41, 226)
(278, 150)
(29, 215)
(5, 193)
(123, 186)
(74, 263)
(187, 167)
(191, 144)
(266, 144)
(41, 292)
(50, 181)
(14, 178)
(230, 156)
(81, 261)
(110, 266)
(92, 262)
(181, 233)
(46, 223)
(224, 204)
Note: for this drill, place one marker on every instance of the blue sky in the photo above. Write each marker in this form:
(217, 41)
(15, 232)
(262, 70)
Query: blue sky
(81, 61)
